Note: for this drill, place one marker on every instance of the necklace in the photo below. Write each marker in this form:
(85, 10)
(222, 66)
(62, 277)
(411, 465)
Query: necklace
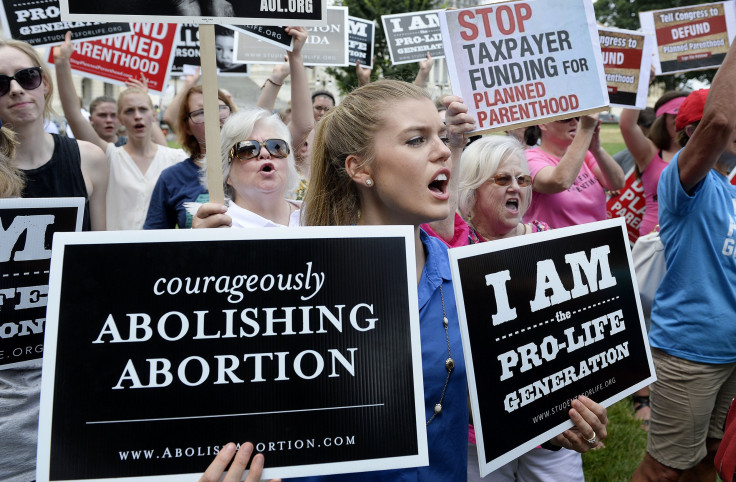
(449, 363)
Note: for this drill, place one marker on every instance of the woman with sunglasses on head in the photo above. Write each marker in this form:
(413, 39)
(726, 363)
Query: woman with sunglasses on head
(53, 166)
(180, 183)
(381, 158)
(134, 167)
(571, 172)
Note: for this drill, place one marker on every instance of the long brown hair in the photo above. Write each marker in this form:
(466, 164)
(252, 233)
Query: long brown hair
(349, 128)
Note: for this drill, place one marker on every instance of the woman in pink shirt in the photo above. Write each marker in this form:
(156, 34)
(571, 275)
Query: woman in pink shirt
(652, 153)
(571, 172)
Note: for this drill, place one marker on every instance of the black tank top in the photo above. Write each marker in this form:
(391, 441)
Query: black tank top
(61, 176)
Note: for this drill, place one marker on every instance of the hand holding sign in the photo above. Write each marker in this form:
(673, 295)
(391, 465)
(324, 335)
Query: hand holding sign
(425, 67)
(235, 474)
(141, 83)
(591, 422)
(63, 52)
(458, 121)
(211, 215)
(364, 74)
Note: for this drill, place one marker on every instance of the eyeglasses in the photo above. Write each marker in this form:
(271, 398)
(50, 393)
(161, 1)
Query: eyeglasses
(576, 119)
(197, 116)
(249, 149)
(29, 79)
(523, 180)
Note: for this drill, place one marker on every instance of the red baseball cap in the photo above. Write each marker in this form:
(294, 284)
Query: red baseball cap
(692, 109)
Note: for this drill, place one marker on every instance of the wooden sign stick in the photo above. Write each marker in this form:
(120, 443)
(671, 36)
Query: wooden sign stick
(211, 112)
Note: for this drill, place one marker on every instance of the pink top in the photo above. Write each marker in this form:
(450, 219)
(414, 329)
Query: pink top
(649, 180)
(583, 202)
(460, 237)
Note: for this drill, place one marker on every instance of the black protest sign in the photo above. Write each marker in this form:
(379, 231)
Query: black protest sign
(361, 40)
(186, 51)
(410, 36)
(39, 23)
(27, 227)
(547, 317)
(167, 345)
(272, 35)
(227, 12)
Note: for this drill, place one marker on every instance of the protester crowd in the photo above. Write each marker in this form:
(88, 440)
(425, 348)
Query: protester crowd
(383, 155)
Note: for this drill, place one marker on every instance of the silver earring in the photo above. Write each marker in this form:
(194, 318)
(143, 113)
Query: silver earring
(369, 182)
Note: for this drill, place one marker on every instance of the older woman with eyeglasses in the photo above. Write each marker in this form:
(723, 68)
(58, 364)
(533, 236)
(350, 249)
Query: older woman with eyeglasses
(258, 169)
(180, 183)
(571, 172)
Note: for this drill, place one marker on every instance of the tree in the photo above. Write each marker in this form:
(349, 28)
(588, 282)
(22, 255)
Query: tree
(625, 14)
(346, 78)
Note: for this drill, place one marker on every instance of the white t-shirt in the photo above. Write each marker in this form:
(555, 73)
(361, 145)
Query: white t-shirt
(242, 218)
(129, 190)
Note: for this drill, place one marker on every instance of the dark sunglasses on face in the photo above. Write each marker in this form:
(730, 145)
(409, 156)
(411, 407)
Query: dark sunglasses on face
(29, 79)
(197, 116)
(523, 180)
(576, 119)
(249, 149)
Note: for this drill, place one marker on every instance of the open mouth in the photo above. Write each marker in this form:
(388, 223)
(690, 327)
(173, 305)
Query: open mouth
(439, 184)
(512, 205)
(267, 167)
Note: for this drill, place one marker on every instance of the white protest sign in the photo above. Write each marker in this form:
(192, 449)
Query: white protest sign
(524, 63)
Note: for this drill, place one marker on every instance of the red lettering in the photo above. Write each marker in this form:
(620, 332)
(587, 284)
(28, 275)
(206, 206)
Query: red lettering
(523, 13)
(464, 18)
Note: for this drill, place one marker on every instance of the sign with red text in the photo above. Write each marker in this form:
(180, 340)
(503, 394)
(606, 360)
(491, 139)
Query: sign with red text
(148, 51)
(411, 36)
(301, 345)
(326, 45)
(547, 317)
(522, 63)
(629, 204)
(691, 38)
(627, 57)
(39, 23)
(219, 12)
(27, 228)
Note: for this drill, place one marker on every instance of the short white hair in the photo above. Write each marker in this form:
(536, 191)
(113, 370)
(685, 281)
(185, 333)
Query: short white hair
(239, 127)
(480, 161)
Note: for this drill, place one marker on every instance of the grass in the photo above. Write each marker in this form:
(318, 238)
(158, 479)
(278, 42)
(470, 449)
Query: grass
(611, 139)
(624, 447)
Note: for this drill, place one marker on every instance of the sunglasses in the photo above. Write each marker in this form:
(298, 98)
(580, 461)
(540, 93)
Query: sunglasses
(249, 149)
(523, 180)
(197, 116)
(576, 119)
(29, 79)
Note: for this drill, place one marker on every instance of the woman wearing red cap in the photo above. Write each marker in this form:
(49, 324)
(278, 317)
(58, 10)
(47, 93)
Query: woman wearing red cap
(693, 334)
